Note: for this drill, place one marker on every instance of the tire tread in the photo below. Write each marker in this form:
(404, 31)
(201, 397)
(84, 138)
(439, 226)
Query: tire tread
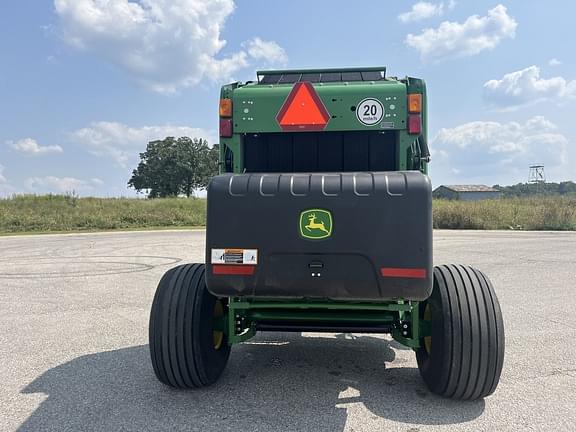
(472, 347)
(178, 327)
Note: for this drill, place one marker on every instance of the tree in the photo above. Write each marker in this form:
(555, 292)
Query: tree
(172, 167)
(532, 189)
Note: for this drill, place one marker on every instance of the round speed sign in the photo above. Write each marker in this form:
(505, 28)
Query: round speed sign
(370, 111)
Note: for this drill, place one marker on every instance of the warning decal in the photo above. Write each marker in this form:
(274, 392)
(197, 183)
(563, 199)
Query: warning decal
(235, 256)
(370, 111)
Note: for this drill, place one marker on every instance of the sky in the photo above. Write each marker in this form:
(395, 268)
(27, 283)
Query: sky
(85, 84)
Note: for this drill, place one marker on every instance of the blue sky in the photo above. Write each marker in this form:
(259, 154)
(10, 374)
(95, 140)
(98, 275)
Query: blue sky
(84, 84)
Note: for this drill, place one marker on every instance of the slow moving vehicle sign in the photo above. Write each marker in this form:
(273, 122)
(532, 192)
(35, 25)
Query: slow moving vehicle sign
(303, 110)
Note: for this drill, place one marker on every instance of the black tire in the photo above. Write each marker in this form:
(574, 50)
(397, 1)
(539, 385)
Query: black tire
(183, 344)
(464, 358)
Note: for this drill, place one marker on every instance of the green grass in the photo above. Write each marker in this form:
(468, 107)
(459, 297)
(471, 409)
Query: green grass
(67, 213)
(536, 213)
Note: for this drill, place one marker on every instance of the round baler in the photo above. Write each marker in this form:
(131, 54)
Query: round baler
(321, 221)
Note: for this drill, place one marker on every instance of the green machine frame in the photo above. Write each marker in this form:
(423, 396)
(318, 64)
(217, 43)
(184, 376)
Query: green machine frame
(400, 318)
(412, 151)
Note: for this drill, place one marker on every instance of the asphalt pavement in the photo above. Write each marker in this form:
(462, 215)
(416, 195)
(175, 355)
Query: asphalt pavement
(74, 356)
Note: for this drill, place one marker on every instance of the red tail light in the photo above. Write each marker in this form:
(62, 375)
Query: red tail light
(414, 124)
(226, 128)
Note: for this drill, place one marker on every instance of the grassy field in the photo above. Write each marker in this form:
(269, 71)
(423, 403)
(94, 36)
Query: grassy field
(65, 213)
(535, 213)
(62, 213)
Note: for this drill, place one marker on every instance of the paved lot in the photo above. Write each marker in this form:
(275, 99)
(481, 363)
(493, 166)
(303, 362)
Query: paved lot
(74, 354)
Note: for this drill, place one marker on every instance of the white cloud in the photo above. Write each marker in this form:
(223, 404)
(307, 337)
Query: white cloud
(476, 34)
(499, 150)
(31, 147)
(423, 10)
(268, 51)
(164, 44)
(123, 143)
(526, 87)
(554, 62)
(61, 184)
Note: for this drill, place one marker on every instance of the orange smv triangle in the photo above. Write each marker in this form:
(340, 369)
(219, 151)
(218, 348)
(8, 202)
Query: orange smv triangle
(303, 110)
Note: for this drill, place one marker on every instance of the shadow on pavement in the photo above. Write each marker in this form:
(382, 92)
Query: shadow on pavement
(273, 382)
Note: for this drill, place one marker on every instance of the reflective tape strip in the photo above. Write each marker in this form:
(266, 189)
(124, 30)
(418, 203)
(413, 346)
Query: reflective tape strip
(412, 273)
(234, 269)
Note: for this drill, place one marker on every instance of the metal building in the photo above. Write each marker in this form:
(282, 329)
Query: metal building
(466, 192)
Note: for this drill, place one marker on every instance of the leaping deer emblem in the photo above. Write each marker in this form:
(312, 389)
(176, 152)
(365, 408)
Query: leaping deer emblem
(312, 224)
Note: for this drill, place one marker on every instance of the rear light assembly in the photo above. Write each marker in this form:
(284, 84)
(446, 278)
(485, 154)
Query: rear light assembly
(225, 111)
(414, 114)
(225, 128)
(414, 124)
(415, 103)
(225, 107)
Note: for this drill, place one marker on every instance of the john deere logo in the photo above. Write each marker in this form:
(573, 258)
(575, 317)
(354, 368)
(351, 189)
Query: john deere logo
(315, 224)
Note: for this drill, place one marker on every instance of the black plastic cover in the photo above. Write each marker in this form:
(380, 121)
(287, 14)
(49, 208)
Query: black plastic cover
(379, 247)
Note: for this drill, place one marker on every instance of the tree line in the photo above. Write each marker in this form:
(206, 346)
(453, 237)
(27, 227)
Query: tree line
(174, 167)
(531, 189)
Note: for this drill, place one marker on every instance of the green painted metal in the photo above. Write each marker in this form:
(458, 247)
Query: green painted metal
(234, 338)
(255, 107)
(249, 312)
(234, 334)
(410, 318)
(308, 304)
(318, 316)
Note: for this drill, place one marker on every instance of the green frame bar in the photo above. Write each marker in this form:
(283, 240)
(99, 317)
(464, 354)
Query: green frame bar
(243, 316)
(346, 306)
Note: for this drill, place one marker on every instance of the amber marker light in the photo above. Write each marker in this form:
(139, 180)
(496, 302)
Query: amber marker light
(225, 107)
(415, 103)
